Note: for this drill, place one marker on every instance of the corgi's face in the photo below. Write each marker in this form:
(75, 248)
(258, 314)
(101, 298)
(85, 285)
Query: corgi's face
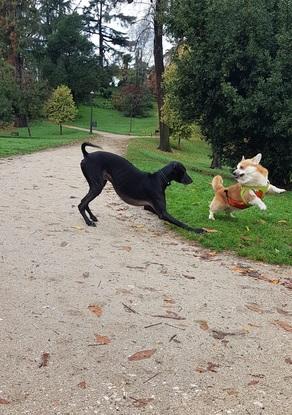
(249, 171)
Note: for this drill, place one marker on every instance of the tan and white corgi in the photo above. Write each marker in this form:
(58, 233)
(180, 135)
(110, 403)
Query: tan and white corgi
(252, 185)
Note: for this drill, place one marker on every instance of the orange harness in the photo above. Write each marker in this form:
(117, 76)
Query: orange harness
(241, 204)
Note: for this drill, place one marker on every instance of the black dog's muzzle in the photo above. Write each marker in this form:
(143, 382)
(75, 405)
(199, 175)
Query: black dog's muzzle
(186, 179)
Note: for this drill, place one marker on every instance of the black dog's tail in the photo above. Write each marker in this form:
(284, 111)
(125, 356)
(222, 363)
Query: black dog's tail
(83, 145)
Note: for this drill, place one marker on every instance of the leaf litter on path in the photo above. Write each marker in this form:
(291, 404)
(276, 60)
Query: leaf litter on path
(141, 402)
(284, 325)
(250, 272)
(143, 354)
(95, 309)
(102, 340)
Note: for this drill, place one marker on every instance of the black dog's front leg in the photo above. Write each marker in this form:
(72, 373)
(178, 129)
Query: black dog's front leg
(166, 216)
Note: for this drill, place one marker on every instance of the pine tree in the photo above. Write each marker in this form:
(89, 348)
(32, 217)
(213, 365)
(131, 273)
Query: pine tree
(99, 15)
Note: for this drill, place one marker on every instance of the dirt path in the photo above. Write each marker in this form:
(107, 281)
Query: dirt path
(217, 328)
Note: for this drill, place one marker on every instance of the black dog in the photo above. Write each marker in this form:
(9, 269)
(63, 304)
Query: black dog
(132, 185)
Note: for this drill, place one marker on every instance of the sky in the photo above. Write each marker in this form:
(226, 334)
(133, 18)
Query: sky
(138, 9)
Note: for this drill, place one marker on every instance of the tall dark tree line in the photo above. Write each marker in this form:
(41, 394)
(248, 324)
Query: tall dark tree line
(236, 79)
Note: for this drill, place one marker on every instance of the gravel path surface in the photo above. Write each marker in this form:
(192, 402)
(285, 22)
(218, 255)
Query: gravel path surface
(128, 318)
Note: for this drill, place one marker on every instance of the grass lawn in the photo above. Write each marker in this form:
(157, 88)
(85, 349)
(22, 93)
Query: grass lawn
(264, 236)
(114, 121)
(44, 135)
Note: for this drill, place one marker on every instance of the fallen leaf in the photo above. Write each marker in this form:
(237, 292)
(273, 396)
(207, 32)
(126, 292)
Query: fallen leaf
(283, 312)
(253, 382)
(231, 391)
(82, 384)
(287, 284)
(284, 325)
(126, 248)
(250, 272)
(203, 324)
(95, 309)
(169, 300)
(141, 402)
(4, 401)
(44, 359)
(288, 360)
(209, 256)
(212, 366)
(143, 354)
(102, 339)
(219, 335)
(254, 307)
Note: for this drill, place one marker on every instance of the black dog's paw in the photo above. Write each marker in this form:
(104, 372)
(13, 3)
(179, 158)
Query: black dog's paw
(94, 218)
(91, 224)
(199, 230)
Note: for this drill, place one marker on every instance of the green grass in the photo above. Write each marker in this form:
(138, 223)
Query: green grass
(44, 135)
(113, 121)
(264, 236)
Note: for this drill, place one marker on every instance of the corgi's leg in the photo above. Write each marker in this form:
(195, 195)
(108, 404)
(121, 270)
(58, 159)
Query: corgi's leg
(274, 189)
(256, 201)
(215, 206)
(211, 215)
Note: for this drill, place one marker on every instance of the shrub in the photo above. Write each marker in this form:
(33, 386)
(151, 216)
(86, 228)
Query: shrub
(133, 100)
(61, 107)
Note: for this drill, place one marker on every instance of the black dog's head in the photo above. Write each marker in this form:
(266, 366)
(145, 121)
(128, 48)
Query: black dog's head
(177, 172)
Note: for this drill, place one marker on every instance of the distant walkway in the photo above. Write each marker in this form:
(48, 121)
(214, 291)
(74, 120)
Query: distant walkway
(100, 133)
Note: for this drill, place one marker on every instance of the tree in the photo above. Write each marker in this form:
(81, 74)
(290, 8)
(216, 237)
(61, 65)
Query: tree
(164, 144)
(236, 79)
(179, 129)
(69, 58)
(8, 91)
(18, 25)
(99, 14)
(133, 100)
(60, 107)
(157, 12)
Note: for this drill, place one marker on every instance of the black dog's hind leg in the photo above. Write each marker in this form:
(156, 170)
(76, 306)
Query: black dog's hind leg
(150, 209)
(94, 191)
(91, 215)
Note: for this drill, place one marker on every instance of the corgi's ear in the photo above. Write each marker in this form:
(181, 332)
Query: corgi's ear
(242, 158)
(256, 159)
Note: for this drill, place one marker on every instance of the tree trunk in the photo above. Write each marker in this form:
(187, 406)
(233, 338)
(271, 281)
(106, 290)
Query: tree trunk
(164, 144)
(61, 129)
(216, 159)
(101, 47)
(20, 121)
